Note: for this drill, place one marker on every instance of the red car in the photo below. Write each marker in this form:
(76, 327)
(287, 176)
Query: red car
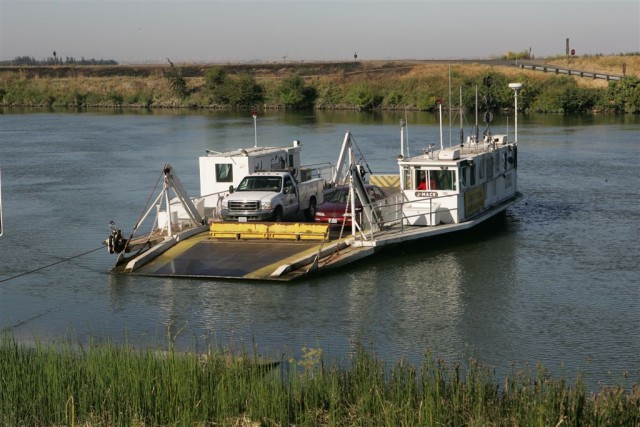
(334, 208)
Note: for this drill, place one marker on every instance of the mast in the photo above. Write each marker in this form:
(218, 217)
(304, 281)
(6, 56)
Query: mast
(477, 131)
(450, 104)
(440, 111)
(460, 112)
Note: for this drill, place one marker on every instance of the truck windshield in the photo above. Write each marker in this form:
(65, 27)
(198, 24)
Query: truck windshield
(260, 183)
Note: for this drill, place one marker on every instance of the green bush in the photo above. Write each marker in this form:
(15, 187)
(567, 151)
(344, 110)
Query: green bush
(295, 94)
(624, 95)
(363, 96)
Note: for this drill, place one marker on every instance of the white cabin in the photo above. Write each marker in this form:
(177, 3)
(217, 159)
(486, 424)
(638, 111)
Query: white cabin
(219, 171)
(454, 184)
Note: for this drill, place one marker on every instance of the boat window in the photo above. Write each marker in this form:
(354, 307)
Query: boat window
(421, 180)
(463, 177)
(472, 172)
(406, 179)
(224, 172)
(481, 168)
(444, 179)
(489, 167)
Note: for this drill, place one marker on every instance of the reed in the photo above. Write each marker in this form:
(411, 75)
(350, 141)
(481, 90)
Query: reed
(107, 384)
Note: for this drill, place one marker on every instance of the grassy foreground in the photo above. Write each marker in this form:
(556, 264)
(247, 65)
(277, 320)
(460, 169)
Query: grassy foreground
(107, 385)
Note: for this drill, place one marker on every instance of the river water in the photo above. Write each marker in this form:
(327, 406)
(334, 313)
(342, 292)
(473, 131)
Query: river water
(556, 281)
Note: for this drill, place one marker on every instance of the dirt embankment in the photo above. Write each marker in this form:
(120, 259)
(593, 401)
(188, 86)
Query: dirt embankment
(623, 64)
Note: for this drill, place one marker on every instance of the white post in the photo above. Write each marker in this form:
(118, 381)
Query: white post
(516, 87)
(402, 125)
(515, 120)
(255, 129)
(440, 111)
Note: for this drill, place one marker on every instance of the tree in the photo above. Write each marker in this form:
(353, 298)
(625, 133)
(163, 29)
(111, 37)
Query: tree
(176, 81)
(624, 95)
(215, 81)
(242, 91)
(293, 93)
(578, 100)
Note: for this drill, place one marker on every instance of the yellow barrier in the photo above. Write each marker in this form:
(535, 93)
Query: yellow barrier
(275, 231)
(388, 181)
(298, 231)
(238, 230)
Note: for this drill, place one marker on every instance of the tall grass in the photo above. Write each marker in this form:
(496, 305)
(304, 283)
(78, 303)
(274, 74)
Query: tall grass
(107, 384)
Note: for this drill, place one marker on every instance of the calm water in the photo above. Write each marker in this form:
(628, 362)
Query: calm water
(557, 281)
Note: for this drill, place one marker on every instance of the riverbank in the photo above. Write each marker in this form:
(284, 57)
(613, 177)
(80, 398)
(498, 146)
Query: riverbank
(105, 384)
(361, 85)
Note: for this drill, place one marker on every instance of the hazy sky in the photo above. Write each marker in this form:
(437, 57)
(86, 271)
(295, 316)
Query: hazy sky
(304, 30)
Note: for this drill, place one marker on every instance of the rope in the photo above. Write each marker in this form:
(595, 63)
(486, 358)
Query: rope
(51, 265)
(361, 155)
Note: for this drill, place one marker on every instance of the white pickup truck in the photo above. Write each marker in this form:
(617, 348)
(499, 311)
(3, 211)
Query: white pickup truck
(272, 196)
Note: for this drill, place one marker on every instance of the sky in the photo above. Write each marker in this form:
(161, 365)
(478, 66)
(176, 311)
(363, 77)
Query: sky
(220, 31)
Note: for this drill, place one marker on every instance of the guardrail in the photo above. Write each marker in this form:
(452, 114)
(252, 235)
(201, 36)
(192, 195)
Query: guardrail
(570, 71)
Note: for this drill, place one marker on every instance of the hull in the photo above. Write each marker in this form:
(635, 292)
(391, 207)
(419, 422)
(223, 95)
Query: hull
(246, 257)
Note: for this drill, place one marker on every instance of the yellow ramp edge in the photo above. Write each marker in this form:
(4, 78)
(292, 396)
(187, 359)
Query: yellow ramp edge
(275, 231)
(388, 181)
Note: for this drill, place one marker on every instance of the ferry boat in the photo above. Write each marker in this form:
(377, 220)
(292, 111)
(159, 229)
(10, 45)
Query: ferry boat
(440, 190)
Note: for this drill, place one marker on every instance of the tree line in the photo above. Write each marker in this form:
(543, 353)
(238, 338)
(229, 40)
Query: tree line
(55, 60)
(224, 89)
(557, 95)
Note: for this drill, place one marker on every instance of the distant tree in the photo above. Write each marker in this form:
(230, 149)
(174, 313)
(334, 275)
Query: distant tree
(176, 81)
(239, 91)
(215, 81)
(243, 91)
(364, 96)
(578, 100)
(293, 93)
(624, 95)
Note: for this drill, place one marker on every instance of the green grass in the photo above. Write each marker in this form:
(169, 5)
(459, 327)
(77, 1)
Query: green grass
(106, 384)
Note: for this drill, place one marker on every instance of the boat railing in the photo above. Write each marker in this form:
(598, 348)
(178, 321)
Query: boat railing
(317, 170)
(391, 211)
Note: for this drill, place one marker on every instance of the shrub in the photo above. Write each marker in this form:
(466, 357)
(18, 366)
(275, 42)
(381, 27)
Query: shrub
(624, 95)
(176, 81)
(293, 93)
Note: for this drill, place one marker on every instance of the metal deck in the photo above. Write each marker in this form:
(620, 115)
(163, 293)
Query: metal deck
(203, 256)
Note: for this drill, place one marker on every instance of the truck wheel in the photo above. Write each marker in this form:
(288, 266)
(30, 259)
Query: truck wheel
(310, 213)
(277, 214)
